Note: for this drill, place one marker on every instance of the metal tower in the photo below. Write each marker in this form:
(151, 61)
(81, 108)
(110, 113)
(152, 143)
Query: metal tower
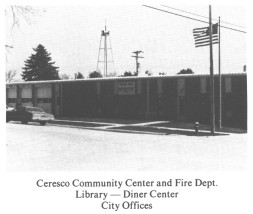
(104, 37)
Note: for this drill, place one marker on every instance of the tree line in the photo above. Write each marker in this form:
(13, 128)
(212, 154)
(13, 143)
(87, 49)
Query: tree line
(39, 66)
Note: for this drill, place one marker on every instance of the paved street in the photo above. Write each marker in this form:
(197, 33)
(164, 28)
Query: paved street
(54, 148)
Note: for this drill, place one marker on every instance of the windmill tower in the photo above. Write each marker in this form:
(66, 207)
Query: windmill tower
(104, 40)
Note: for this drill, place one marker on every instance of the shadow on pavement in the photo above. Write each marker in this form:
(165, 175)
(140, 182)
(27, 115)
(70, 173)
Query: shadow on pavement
(73, 123)
(154, 130)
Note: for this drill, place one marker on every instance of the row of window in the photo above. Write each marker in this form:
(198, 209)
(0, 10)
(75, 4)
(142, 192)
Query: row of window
(203, 84)
(26, 100)
(29, 100)
(228, 85)
(44, 100)
(12, 100)
(180, 90)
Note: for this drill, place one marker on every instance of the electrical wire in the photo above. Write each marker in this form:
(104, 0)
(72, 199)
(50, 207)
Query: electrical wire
(201, 16)
(176, 14)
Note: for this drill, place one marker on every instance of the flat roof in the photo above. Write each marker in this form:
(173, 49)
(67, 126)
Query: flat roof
(123, 78)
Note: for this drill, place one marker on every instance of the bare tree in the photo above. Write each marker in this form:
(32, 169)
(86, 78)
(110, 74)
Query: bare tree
(64, 76)
(112, 74)
(19, 13)
(15, 14)
(7, 48)
(9, 75)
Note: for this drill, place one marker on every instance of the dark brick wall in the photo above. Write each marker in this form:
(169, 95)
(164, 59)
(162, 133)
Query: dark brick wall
(81, 99)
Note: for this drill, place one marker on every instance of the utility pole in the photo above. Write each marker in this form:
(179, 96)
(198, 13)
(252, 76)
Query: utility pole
(212, 116)
(137, 57)
(220, 89)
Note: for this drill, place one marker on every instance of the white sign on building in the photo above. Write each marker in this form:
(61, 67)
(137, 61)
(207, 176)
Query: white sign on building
(126, 88)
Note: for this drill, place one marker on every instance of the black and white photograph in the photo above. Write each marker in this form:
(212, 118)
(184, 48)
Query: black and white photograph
(141, 88)
(126, 88)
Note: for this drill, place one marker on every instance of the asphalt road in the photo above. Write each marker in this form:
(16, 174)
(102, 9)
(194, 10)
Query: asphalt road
(53, 148)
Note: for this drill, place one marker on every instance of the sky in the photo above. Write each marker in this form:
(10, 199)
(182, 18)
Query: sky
(72, 35)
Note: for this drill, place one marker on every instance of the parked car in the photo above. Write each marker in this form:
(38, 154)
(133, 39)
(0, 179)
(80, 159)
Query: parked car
(28, 114)
(9, 108)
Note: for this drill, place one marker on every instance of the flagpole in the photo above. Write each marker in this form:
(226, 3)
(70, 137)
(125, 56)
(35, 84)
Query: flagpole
(212, 116)
(220, 89)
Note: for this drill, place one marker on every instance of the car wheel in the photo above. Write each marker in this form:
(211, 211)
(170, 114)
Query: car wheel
(43, 123)
(24, 121)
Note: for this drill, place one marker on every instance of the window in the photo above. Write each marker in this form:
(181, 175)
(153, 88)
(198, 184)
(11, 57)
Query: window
(26, 100)
(58, 101)
(12, 100)
(160, 86)
(44, 100)
(228, 85)
(181, 87)
(203, 85)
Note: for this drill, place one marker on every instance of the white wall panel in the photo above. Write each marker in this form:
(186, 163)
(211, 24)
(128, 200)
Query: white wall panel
(26, 91)
(44, 91)
(12, 92)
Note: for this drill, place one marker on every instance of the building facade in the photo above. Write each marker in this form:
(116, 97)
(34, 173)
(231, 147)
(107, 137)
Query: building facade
(178, 98)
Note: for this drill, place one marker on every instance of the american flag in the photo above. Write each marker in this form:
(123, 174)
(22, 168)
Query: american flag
(201, 36)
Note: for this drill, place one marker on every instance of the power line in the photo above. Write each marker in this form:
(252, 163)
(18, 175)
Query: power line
(201, 16)
(187, 17)
(8, 46)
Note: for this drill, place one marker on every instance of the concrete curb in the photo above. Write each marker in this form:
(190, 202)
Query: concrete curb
(115, 127)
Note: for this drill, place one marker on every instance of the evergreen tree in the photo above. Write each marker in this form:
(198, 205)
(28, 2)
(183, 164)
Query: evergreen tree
(186, 71)
(95, 74)
(39, 66)
(128, 73)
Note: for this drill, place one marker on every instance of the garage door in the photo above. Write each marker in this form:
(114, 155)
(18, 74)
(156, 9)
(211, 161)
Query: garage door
(44, 97)
(44, 91)
(12, 96)
(12, 92)
(26, 95)
(26, 91)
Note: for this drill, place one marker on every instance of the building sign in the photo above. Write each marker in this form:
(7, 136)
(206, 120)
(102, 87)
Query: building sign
(126, 88)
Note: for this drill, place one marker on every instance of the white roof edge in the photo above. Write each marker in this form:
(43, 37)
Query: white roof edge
(124, 78)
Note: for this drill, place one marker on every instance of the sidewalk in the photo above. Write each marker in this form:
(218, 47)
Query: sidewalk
(141, 126)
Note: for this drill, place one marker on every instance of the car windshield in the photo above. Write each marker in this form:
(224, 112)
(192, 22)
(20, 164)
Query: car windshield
(34, 109)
